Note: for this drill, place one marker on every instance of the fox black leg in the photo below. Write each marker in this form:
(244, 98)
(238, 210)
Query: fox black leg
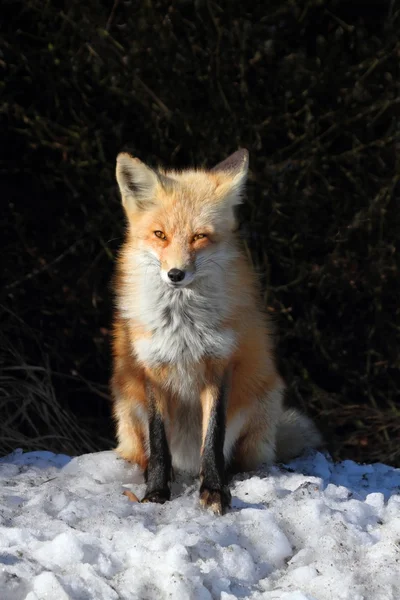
(158, 472)
(214, 493)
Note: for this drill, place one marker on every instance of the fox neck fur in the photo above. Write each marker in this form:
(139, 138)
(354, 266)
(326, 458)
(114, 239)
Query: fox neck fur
(184, 325)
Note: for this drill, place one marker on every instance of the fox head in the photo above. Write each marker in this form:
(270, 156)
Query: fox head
(181, 223)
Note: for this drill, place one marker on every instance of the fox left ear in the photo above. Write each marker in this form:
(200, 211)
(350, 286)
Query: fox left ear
(233, 171)
(136, 181)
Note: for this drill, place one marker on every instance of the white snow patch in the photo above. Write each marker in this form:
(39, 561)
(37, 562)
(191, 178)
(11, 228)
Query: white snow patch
(311, 530)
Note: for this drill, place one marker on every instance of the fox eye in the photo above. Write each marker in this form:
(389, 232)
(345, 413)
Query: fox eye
(199, 236)
(160, 235)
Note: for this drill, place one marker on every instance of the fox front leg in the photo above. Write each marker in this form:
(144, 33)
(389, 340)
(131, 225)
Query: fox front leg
(214, 493)
(158, 472)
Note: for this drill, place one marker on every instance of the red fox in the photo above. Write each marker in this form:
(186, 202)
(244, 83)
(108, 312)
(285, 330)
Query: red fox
(194, 384)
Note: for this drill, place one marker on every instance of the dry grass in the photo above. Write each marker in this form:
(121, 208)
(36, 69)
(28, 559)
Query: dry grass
(32, 415)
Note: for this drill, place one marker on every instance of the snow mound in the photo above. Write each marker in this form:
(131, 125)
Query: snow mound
(311, 530)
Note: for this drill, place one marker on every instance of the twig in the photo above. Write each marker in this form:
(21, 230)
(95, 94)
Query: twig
(112, 14)
(45, 267)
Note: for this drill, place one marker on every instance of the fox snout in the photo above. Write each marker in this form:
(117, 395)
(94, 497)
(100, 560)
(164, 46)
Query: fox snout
(177, 265)
(177, 277)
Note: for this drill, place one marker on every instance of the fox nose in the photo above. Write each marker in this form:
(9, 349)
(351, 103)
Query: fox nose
(176, 275)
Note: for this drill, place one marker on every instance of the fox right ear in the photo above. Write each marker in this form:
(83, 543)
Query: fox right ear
(136, 181)
(233, 174)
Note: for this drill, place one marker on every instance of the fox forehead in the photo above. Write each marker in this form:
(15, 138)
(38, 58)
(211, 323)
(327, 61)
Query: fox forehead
(195, 188)
(188, 202)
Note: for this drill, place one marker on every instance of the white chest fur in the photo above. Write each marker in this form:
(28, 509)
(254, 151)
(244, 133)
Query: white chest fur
(186, 344)
(184, 326)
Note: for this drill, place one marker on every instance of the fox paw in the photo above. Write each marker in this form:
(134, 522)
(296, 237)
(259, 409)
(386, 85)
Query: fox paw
(218, 501)
(159, 497)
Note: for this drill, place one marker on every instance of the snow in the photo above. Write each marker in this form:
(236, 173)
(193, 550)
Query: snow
(309, 530)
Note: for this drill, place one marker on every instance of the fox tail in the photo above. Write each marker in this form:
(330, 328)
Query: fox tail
(295, 433)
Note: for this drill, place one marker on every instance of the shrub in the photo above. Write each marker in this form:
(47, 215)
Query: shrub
(310, 87)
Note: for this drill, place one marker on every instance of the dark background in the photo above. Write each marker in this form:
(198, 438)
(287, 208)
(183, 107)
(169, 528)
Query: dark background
(310, 88)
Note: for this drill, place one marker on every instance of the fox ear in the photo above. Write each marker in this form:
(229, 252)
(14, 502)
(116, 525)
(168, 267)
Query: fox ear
(233, 174)
(136, 181)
